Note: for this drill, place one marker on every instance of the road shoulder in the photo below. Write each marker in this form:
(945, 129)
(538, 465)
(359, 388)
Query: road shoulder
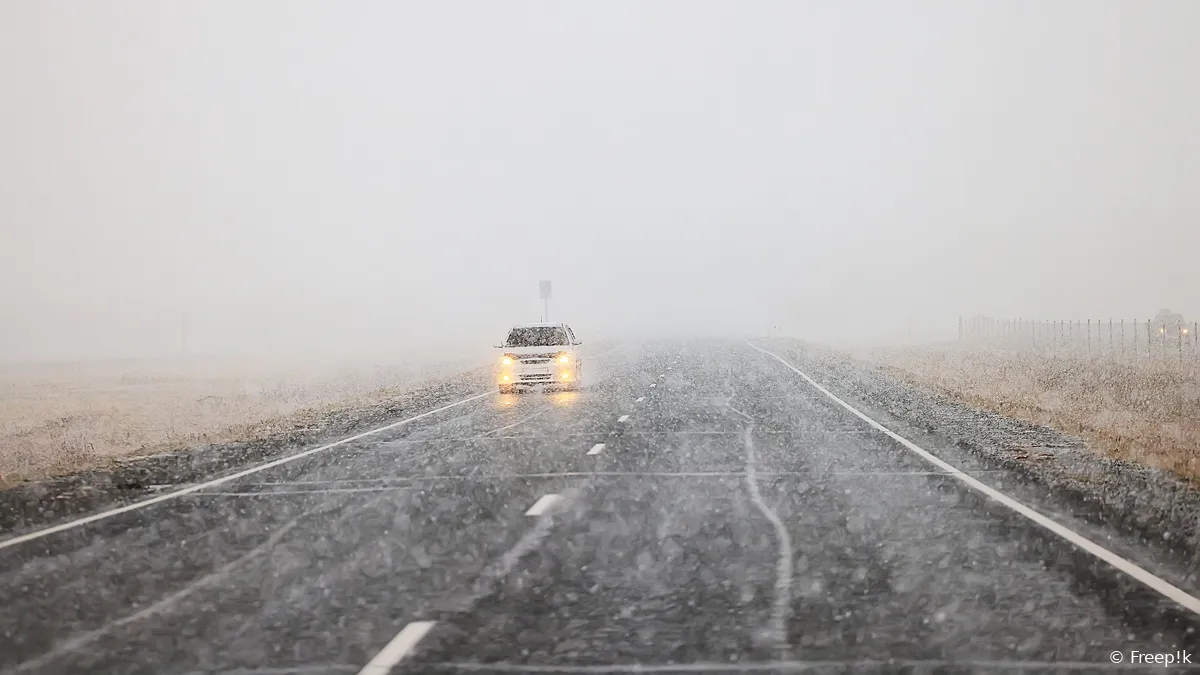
(1152, 506)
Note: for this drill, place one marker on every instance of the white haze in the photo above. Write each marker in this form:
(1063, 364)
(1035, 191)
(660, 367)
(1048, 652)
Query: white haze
(372, 176)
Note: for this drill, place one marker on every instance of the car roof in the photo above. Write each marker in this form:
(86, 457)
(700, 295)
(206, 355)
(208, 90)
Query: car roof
(539, 325)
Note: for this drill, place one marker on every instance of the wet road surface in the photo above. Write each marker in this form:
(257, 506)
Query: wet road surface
(698, 508)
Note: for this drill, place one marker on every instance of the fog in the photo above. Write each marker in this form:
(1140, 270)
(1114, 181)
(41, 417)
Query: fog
(293, 176)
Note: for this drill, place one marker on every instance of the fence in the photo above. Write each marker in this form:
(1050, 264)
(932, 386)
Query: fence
(1113, 338)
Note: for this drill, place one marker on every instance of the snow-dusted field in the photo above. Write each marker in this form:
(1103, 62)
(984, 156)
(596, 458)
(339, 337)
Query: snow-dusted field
(66, 417)
(1147, 411)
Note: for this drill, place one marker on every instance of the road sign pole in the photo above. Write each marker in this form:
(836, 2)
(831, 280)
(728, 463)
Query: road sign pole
(544, 292)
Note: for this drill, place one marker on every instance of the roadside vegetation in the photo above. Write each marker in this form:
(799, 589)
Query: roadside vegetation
(1146, 411)
(64, 418)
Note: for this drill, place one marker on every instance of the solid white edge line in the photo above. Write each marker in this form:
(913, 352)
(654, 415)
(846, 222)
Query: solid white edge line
(622, 418)
(596, 449)
(1165, 588)
(79, 522)
(398, 648)
(544, 503)
(640, 399)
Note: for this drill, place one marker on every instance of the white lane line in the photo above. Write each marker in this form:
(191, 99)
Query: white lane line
(653, 385)
(1155, 582)
(398, 648)
(321, 491)
(622, 418)
(596, 449)
(850, 665)
(565, 474)
(545, 503)
(640, 399)
(520, 421)
(781, 611)
(79, 522)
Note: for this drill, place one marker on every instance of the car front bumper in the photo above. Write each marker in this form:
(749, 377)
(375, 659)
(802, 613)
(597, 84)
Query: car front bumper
(538, 375)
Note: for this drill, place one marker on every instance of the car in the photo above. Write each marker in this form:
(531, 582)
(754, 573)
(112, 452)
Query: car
(540, 355)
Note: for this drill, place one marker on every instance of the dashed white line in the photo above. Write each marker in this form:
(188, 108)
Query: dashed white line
(622, 418)
(653, 384)
(504, 566)
(640, 399)
(78, 522)
(596, 449)
(1155, 582)
(545, 503)
(398, 648)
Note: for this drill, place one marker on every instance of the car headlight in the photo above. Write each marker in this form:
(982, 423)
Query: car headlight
(508, 359)
(564, 358)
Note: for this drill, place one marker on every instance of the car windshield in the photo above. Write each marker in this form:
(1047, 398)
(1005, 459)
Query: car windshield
(537, 336)
(848, 394)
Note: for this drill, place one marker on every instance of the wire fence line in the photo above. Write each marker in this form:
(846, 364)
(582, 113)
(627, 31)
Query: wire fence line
(1162, 342)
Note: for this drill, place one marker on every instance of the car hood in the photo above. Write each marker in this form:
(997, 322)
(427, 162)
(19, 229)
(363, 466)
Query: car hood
(531, 351)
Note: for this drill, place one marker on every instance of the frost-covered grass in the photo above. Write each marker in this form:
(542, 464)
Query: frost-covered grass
(63, 418)
(1143, 410)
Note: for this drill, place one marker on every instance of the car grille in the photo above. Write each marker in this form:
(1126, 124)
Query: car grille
(535, 362)
(535, 378)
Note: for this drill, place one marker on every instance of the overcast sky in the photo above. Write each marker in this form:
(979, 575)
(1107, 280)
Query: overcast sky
(341, 174)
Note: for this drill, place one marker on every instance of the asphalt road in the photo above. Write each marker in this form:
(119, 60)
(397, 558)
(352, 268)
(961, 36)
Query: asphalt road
(735, 519)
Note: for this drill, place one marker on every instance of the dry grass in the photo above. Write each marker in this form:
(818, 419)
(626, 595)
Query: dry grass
(1147, 412)
(57, 419)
